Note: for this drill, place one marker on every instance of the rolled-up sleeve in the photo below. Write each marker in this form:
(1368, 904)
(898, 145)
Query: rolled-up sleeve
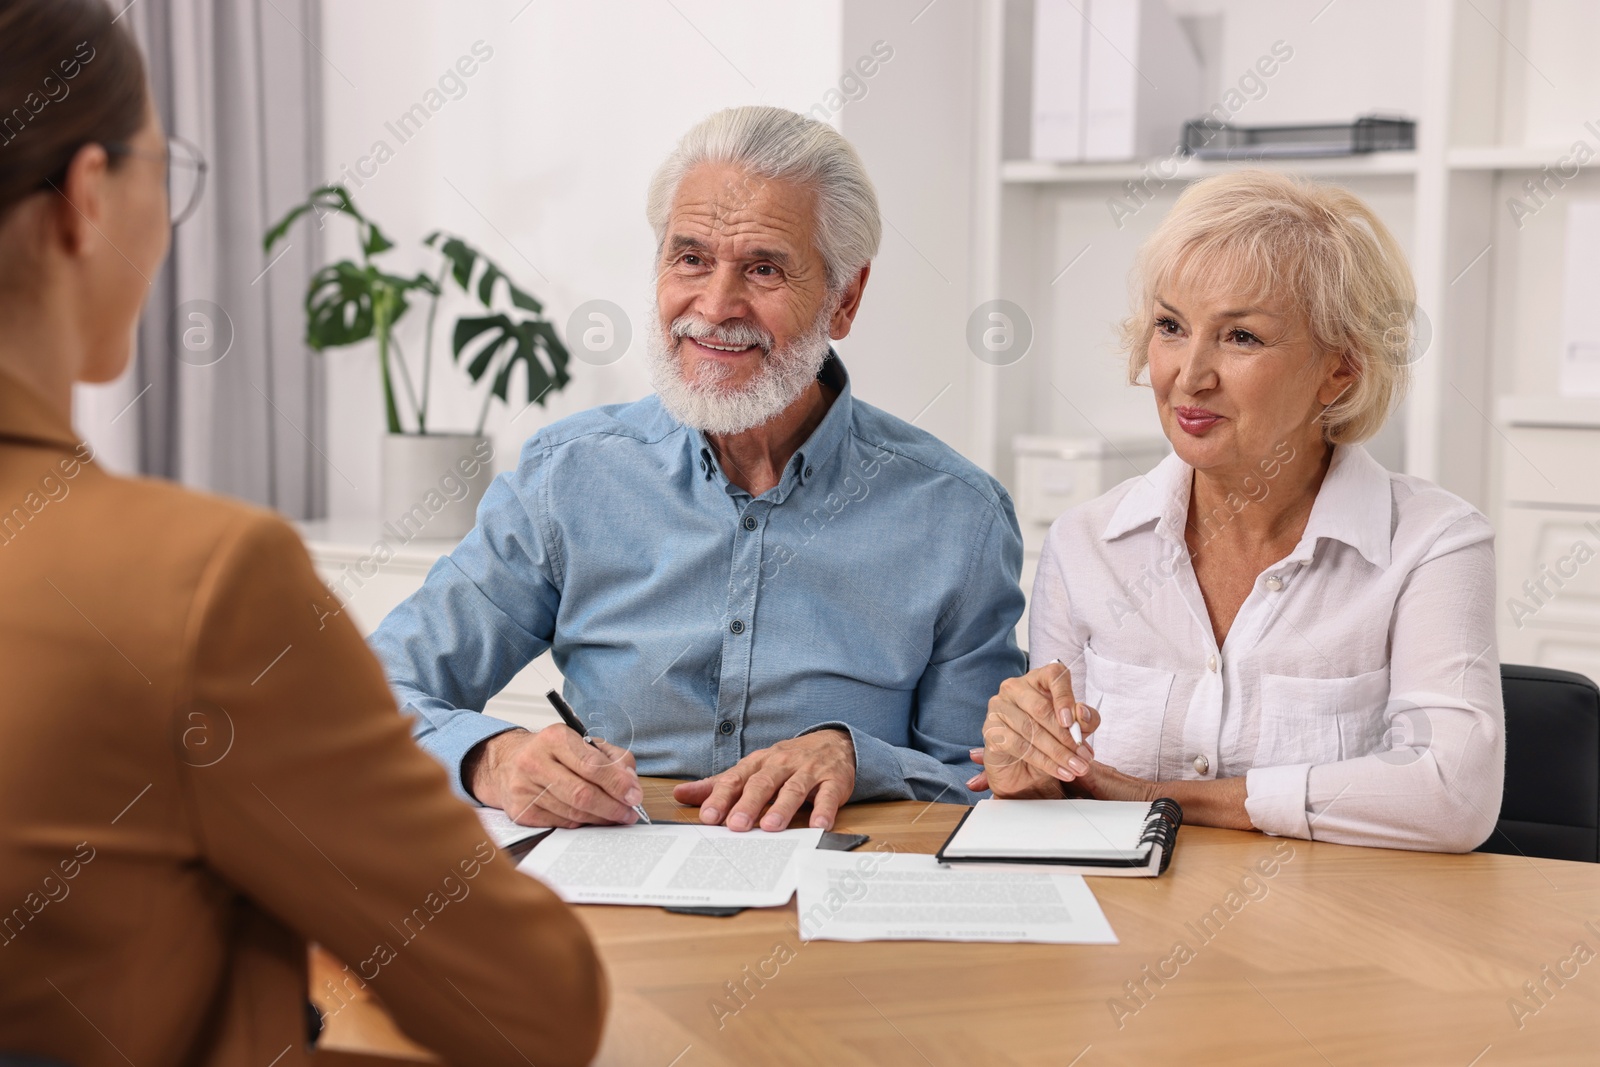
(1435, 784)
(484, 612)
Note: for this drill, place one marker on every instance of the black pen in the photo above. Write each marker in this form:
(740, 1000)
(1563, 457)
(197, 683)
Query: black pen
(570, 717)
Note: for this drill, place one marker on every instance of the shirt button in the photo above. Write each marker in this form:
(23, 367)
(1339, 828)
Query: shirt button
(749, 522)
(808, 472)
(1201, 764)
(725, 728)
(1274, 583)
(737, 626)
(1211, 662)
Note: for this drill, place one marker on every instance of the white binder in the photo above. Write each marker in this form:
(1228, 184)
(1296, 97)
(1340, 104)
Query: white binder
(1112, 80)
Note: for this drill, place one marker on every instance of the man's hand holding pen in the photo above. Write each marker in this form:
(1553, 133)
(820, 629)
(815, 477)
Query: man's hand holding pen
(562, 776)
(555, 778)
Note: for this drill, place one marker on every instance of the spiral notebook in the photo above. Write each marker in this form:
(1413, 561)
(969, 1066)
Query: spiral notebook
(1094, 837)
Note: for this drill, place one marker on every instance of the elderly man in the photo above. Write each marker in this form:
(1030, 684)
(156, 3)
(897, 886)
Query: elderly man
(750, 578)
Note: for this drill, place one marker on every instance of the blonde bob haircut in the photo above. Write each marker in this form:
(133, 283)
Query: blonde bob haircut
(1317, 246)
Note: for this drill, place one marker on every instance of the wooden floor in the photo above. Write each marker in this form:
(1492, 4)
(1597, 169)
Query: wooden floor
(1338, 956)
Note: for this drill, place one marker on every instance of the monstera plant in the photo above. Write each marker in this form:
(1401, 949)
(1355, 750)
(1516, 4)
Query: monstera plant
(349, 302)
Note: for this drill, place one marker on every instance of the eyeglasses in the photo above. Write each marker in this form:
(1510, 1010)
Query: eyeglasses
(186, 173)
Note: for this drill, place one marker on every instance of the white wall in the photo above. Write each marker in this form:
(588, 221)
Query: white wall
(550, 148)
(913, 123)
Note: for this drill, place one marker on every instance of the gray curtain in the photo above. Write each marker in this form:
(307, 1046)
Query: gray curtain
(232, 399)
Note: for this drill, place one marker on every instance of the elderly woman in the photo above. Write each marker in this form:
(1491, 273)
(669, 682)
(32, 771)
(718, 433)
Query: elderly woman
(1270, 628)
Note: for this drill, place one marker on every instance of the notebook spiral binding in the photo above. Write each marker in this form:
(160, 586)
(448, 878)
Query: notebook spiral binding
(1162, 828)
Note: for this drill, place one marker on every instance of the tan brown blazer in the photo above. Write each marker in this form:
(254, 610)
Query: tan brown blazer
(201, 768)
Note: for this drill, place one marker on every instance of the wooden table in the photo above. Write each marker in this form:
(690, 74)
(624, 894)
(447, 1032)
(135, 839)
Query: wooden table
(1339, 956)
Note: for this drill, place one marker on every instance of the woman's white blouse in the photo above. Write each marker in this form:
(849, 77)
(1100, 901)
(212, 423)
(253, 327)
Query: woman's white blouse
(1358, 690)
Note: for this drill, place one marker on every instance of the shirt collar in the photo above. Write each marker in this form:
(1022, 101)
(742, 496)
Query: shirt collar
(27, 416)
(824, 441)
(1353, 506)
(1160, 497)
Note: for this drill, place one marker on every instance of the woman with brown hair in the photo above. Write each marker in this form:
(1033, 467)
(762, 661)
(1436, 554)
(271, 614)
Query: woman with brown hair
(201, 766)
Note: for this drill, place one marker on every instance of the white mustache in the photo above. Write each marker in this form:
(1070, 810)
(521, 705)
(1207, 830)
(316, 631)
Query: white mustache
(738, 335)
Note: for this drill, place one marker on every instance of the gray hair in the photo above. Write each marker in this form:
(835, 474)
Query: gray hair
(780, 145)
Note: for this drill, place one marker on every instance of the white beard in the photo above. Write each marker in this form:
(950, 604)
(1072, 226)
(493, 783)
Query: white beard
(704, 403)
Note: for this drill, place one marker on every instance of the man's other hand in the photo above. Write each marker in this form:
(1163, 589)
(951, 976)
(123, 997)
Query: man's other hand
(819, 766)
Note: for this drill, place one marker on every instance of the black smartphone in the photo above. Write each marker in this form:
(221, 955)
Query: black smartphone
(842, 842)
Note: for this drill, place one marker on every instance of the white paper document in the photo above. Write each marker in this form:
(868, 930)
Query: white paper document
(884, 896)
(502, 831)
(671, 864)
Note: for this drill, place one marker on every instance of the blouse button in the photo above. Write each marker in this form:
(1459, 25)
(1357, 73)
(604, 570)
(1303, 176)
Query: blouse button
(1274, 583)
(1201, 764)
(1211, 662)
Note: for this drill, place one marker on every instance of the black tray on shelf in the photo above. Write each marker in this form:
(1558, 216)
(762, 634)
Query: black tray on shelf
(1209, 139)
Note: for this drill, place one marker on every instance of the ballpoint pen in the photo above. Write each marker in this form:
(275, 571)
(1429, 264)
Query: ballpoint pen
(1077, 731)
(570, 717)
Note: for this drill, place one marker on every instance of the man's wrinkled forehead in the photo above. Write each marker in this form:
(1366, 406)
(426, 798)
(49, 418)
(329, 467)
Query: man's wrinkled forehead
(722, 208)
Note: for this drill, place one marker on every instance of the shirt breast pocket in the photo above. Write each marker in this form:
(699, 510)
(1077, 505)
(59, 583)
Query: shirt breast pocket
(1132, 701)
(1320, 720)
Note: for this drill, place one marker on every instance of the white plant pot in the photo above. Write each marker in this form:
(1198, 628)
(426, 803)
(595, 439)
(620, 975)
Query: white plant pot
(432, 483)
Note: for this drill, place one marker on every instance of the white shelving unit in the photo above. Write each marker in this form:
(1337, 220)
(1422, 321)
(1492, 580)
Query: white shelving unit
(1549, 544)
(1500, 91)
(1028, 171)
(1508, 158)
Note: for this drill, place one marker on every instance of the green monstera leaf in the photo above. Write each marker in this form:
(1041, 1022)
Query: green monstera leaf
(348, 302)
(464, 259)
(499, 344)
(328, 200)
(343, 300)
(338, 306)
(494, 345)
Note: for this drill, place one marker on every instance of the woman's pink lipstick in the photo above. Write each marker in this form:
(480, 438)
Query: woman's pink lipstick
(1196, 421)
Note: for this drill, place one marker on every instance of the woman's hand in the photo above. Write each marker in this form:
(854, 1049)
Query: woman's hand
(1028, 748)
(1104, 782)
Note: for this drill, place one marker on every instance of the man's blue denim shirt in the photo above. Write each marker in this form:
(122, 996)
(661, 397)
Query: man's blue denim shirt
(874, 588)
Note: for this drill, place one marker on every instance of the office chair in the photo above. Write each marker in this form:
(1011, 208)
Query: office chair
(1551, 804)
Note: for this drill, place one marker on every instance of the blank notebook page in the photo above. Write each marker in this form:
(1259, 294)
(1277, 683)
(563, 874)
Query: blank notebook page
(1087, 829)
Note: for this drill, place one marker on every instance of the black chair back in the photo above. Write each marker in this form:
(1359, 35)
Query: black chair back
(1551, 805)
